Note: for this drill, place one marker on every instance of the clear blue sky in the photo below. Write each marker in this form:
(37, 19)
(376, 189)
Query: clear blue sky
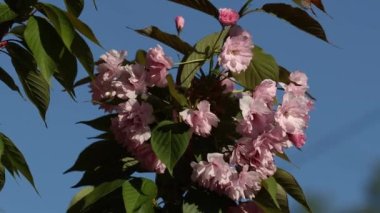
(343, 142)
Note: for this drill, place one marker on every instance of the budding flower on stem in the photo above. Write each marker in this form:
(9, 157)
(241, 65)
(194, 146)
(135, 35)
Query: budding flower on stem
(228, 17)
(179, 23)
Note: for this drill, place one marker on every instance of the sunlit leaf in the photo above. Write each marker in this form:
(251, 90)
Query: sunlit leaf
(37, 36)
(270, 185)
(263, 66)
(201, 5)
(171, 40)
(169, 142)
(297, 17)
(6, 14)
(139, 194)
(34, 84)
(203, 50)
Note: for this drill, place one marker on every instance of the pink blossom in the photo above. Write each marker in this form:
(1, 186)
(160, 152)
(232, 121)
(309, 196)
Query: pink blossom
(266, 91)
(179, 23)
(297, 139)
(202, 120)
(228, 17)
(109, 71)
(236, 52)
(213, 174)
(256, 116)
(256, 153)
(243, 185)
(157, 64)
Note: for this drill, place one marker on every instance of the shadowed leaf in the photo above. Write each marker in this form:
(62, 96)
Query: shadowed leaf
(201, 5)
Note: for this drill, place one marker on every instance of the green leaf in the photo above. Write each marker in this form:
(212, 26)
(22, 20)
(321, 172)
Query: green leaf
(83, 28)
(203, 50)
(180, 98)
(8, 80)
(270, 185)
(140, 57)
(244, 8)
(80, 195)
(139, 195)
(297, 17)
(99, 193)
(291, 186)
(171, 40)
(34, 84)
(18, 30)
(82, 81)
(14, 161)
(6, 14)
(282, 198)
(74, 7)
(98, 154)
(102, 123)
(263, 66)
(70, 38)
(284, 75)
(190, 208)
(37, 37)
(169, 142)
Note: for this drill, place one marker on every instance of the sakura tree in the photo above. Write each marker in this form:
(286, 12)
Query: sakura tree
(211, 127)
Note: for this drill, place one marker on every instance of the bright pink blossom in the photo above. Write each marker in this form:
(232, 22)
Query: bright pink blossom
(157, 64)
(228, 17)
(202, 120)
(236, 52)
(179, 23)
(297, 139)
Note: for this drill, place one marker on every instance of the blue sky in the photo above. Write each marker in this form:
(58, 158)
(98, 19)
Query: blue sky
(342, 145)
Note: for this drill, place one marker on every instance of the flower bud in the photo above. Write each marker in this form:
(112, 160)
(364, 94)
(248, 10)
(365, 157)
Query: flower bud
(179, 23)
(228, 17)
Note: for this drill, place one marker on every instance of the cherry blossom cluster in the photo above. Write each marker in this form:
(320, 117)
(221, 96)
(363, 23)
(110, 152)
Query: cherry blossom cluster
(118, 80)
(264, 133)
(264, 128)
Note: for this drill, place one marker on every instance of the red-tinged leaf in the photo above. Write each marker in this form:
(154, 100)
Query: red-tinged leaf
(298, 18)
(202, 5)
(171, 40)
(318, 4)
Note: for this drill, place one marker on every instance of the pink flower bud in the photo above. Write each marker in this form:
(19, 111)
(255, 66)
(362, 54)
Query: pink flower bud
(228, 17)
(179, 23)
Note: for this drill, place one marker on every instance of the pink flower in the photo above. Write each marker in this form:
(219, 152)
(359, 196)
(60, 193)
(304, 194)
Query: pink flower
(157, 64)
(109, 71)
(228, 17)
(214, 174)
(243, 185)
(202, 120)
(266, 91)
(236, 52)
(297, 139)
(179, 23)
(256, 116)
